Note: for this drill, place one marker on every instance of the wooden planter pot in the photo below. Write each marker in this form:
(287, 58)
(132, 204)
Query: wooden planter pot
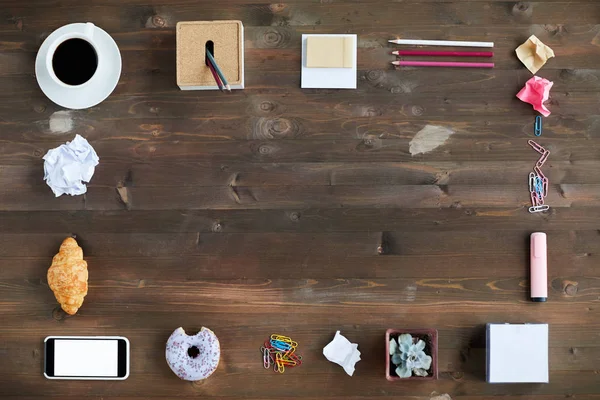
(429, 336)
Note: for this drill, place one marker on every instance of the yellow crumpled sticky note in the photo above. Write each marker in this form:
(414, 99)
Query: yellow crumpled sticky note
(534, 54)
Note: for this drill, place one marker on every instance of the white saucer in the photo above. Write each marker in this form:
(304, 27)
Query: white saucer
(94, 91)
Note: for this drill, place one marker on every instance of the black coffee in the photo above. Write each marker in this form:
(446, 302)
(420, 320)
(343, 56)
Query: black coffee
(74, 61)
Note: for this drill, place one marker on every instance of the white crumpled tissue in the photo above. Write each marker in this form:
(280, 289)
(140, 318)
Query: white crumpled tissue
(342, 352)
(68, 166)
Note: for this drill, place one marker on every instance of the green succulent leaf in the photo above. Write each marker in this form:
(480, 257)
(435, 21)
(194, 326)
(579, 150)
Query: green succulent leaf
(425, 361)
(403, 371)
(397, 359)
(405, 341)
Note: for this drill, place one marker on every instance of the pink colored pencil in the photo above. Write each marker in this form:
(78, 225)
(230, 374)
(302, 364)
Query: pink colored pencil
(442, 64)
(444, 53)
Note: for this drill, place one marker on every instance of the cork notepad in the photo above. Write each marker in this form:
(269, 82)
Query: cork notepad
(227, 37)
(329, 52)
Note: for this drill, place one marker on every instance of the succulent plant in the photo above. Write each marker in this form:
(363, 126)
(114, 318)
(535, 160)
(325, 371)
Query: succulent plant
(409, 357)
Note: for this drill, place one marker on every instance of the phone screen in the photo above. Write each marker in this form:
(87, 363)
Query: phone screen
(86, 358)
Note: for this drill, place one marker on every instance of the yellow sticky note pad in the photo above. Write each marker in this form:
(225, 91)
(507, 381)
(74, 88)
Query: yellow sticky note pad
(329, 52)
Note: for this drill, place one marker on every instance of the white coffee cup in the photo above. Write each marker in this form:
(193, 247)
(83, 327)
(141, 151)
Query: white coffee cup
(86, 92)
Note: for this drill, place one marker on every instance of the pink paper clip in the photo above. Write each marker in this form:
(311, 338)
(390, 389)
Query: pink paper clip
(540, 198)
(539, 172)
(266, 358)
(534, 199)
(536, 147)
(542, 159)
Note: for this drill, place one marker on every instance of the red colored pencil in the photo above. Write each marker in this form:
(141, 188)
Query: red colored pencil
(214, 74)
(443, 53)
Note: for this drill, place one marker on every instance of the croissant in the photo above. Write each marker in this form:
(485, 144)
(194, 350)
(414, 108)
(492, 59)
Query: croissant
(68, 276)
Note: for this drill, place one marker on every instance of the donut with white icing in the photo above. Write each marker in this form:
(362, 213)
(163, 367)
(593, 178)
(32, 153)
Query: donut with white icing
(193, 358)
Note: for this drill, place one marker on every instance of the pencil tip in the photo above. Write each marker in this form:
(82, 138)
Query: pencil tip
(228, 88)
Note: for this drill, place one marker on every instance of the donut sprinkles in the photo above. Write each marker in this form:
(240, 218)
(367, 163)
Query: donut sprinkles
(193, 358)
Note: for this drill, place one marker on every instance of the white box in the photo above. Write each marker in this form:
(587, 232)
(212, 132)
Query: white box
(517, 353)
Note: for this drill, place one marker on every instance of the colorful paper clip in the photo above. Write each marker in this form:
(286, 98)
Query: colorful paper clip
(284, 339)
(280, 365)
(279, 345)
(266, 358)
(537, 126)
(537, 181)
(280, 351)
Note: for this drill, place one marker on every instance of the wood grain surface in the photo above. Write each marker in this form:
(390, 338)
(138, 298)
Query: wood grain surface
(303, 212)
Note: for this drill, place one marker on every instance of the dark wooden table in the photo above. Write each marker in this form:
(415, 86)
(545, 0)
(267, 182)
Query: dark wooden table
(281, 210)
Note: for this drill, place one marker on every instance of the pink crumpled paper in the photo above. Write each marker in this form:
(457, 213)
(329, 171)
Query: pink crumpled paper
(536, 92)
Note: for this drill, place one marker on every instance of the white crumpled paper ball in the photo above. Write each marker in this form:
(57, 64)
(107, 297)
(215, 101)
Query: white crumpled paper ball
(68, 166)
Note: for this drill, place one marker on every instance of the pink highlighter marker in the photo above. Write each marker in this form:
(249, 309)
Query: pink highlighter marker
(539, 267)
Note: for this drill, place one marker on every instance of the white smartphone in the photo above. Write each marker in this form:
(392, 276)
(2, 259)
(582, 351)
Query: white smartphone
(86, 357)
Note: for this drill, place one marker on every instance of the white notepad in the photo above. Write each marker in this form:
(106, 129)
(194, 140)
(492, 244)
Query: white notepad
(329, 78)
(517, 353)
